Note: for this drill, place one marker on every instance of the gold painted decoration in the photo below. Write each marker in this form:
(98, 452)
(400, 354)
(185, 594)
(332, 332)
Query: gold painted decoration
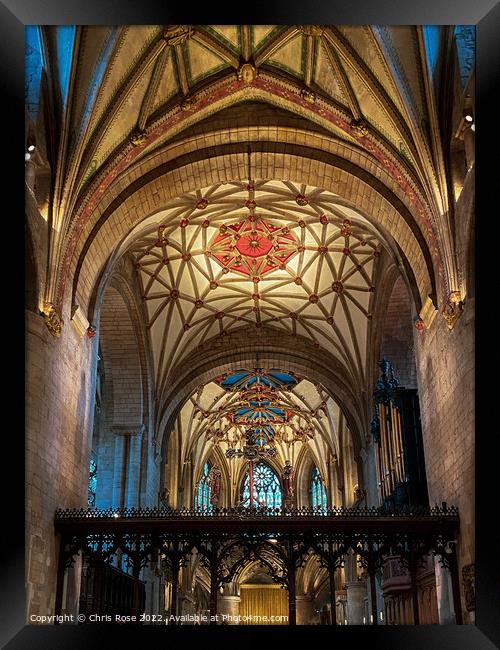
(138, 138)
(52, 319)
(453, 309)
(359, 128)
(188, 103)
(247, 73)
(177, 34)
(308, 95)
(312, 30)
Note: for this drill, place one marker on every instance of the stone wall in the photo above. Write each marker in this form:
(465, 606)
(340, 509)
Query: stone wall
(59, 405)
(397, 339)
(445, 369)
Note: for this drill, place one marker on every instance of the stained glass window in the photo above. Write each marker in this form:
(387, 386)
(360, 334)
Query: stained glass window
(203, 491)
(465, 38)
(318, 492)
(267, 488)
(92, 481)
(33, 66)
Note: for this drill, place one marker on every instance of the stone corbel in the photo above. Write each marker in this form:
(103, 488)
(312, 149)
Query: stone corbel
(427, 313)
(308, 95)
(359, 128)
(453, 309)
(138, 138)
(128, 430)
(79, 321)
(52, 319)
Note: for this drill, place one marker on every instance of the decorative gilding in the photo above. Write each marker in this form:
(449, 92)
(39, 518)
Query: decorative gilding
(224, 89)
(177, 34)
(247, 73)
(52, 319)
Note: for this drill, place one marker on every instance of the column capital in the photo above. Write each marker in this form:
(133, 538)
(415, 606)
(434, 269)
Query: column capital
(128, 429)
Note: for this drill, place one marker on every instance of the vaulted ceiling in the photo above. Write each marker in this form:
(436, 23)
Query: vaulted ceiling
(256, 250)
(257, 253)
(212, 417)
(126, 80)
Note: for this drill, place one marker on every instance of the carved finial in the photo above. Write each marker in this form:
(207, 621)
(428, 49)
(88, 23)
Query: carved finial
(53, 319)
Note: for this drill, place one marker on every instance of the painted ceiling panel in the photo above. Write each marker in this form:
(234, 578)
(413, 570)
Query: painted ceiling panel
(405, 53)
(261, 32)
(168, 84)
(92, 44)
(132, 44)
(65, 41)
(326, 79)
(229, 33)
(363, 41)
(374, 112)
(202, 61)
(312, 422)
(290, 56)
(125, 119)
(98, 88)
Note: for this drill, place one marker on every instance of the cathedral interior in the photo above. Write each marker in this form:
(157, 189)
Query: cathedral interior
(250, 324)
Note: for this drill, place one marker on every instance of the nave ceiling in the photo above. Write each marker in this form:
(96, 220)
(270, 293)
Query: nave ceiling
(263, 252)
(132, 90)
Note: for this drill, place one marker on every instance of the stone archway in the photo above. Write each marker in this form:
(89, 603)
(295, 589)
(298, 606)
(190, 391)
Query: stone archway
(152, 191)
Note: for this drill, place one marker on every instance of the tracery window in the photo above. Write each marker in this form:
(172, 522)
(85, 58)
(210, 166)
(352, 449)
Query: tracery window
(92, 481)
(318, 492)
(202, 500)
(267, 488)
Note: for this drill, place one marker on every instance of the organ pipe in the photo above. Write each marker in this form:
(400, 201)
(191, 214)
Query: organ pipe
(398, 442)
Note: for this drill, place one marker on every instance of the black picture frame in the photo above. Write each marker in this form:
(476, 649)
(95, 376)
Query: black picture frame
(485, 14)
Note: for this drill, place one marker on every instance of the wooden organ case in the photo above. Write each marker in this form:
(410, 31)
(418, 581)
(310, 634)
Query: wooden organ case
(399, 453)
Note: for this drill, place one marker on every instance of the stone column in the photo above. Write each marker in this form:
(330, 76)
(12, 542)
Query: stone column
(134, 469)
(186, 604)
(305, 609)
(444, 595)
(228, 604)
(228, 609)
(118, 470)
(356, 594)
